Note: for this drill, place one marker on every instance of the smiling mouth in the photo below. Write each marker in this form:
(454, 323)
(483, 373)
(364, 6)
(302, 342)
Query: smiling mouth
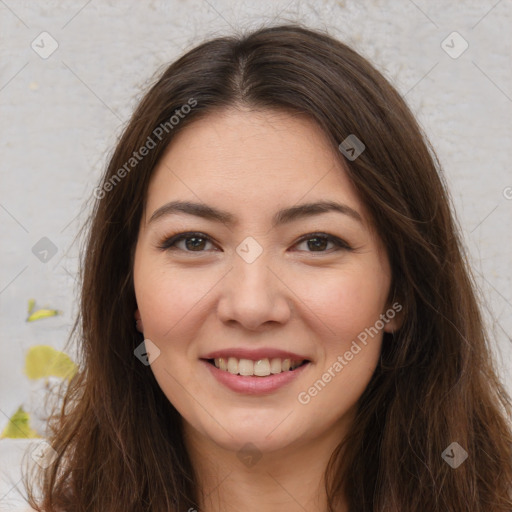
(260, 368)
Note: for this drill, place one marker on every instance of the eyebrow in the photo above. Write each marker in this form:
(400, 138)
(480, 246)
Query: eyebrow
(284, 216)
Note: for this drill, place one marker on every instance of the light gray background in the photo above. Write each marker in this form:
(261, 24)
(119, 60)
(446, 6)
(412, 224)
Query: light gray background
(60, 117)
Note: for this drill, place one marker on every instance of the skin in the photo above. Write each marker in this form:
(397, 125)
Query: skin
(310, 299)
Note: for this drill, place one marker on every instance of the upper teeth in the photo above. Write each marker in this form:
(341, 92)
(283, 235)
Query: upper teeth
(260, 368)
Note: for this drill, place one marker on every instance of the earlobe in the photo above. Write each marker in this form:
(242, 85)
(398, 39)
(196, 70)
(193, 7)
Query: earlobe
(395, 318)
(392, 326)
(138, 321)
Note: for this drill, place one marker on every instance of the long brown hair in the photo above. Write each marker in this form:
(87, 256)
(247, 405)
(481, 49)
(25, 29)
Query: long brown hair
(119, 440)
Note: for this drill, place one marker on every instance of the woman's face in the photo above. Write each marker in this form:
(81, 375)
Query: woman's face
(265, 280)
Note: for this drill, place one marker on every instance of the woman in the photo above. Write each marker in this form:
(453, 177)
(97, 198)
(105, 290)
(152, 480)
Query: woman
(306, 333)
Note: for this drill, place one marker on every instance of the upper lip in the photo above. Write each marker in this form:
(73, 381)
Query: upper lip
(254, 354)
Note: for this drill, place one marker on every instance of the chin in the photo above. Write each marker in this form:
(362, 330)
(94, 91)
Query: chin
(261, 436)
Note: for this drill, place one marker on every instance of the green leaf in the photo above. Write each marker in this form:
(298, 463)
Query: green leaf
(19, 426)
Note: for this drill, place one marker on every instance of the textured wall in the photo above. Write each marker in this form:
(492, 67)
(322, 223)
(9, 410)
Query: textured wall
(60, 114)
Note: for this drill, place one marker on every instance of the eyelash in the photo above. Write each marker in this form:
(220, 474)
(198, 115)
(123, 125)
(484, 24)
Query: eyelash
(169, 243)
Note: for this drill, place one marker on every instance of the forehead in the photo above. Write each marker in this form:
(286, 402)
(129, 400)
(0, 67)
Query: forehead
(250, 160)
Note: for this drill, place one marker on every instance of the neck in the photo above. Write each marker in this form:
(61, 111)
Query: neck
(290, 479)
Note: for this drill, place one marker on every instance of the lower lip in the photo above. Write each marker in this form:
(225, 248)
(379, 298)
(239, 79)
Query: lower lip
(252, 385)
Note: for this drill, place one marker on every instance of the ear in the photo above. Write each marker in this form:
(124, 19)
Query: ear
(393, 317)
(138, 321)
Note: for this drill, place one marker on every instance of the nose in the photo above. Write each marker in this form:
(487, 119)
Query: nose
(254, 295)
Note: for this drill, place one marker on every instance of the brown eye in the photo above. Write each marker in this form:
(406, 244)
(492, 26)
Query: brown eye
(318, 242)
(193, 242)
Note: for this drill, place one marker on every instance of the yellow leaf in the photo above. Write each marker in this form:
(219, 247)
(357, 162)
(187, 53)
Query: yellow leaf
(19, 427)
(44, 361)
(31, 305)
(42, 313)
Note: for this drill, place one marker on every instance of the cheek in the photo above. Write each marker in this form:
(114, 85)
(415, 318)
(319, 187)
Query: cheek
(164, 294)
(168, 300)
(347, 302)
